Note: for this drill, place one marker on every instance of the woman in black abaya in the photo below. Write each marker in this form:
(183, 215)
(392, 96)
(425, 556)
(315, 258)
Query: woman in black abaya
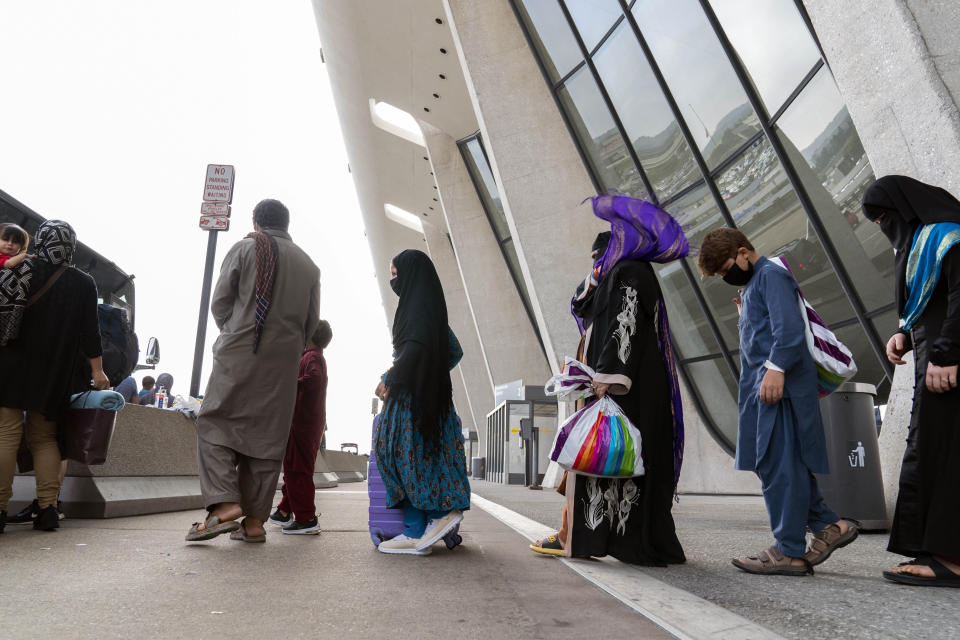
(923, 224)
(419, 446)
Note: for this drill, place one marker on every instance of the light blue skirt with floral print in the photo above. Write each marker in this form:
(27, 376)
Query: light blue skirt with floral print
(434, 482)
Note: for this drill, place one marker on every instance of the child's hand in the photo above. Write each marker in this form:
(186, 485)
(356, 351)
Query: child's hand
(771, 389)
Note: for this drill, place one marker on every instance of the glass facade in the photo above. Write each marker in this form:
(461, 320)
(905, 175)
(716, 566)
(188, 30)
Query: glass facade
(724, 112)
(475, 157)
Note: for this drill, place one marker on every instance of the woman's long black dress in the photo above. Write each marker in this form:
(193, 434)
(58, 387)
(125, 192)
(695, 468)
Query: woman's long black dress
(927, 516)
(629, 519)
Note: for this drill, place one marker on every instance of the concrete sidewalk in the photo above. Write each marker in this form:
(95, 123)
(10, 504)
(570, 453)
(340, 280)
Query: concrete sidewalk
(847, 598)
(137, 578)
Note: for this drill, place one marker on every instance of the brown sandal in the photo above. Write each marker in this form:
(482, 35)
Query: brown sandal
(211, 529)
(241, 534)
(829, 539)
(772, 562)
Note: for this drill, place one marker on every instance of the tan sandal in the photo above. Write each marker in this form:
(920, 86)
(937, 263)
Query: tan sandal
(211, 529)
(241, 534)
(772, 562)
(829, 539)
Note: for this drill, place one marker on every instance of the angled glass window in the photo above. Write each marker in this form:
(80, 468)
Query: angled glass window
(646, 116)
(717, 391)
(551, 36)
(772, 41)
(674, 92)
(593, 18)
(818, 133)
(766, 208)
(478, 166)
(596, 129)
(701, 79)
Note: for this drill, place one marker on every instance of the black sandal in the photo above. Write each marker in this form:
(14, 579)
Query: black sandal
(942, 576)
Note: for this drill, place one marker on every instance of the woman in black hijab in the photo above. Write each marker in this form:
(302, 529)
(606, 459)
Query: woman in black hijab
(923, 224)
(419, 443)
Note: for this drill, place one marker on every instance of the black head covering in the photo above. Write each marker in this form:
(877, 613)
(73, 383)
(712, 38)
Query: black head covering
(421, 318)
(901, 205)
(600, 243)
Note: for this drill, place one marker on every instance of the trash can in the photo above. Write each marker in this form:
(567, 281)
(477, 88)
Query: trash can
(479, 468)
(854, 486)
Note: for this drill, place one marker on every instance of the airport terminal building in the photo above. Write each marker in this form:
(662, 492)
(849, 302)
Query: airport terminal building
(476, 128)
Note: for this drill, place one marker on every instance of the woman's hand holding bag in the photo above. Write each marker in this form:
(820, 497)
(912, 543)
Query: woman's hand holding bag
(599, 440)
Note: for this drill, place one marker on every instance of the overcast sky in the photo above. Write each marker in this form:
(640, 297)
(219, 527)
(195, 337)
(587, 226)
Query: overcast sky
(111, 111)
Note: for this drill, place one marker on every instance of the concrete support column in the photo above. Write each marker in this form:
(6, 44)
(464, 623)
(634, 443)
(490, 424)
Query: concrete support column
(892, 60)
(895, 63)
(471, 379)
(510, 347)
(535, 163)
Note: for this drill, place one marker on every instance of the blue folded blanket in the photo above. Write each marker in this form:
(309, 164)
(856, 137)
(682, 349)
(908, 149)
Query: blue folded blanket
(109, 400)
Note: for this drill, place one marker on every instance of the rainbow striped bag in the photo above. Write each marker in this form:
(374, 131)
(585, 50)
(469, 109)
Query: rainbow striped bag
(833, 359)
(599, 440)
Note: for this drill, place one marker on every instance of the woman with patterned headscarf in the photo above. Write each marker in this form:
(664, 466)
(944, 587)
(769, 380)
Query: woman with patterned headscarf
(626, 341)
(48, 332)
(922, 223)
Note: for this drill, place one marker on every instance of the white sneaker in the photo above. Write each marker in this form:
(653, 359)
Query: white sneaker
(403, 545)
(436, 529)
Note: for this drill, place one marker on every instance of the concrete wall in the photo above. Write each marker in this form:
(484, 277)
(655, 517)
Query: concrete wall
(151, 467)
(897, 65)
(535, 163)
(895, 62)
(510, 348)
(472, 373)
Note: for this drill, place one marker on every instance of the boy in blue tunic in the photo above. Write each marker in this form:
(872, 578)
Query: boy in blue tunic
(780, 435)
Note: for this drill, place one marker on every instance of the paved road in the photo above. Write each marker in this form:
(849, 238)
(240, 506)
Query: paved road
(847, 598)
(136, 578)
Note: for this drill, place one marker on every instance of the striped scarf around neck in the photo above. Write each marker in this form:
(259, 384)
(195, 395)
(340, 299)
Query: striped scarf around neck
(268, 254)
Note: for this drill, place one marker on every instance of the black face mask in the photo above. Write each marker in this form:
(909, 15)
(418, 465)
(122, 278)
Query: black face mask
(738, 277)
(395, 285)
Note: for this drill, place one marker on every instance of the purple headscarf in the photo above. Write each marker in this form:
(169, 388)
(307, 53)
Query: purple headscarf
(640, 230)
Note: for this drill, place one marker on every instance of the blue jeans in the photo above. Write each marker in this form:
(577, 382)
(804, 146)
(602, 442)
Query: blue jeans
(415, 520)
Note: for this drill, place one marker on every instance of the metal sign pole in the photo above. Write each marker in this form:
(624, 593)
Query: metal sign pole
(204, 312)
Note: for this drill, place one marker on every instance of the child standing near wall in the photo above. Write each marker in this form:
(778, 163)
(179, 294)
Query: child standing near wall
(297, 512)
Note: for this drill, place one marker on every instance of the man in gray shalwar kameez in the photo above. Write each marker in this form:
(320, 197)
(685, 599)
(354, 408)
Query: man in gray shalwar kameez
(266, 304)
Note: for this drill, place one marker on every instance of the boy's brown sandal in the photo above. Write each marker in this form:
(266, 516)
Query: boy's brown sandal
(829, 539)
(772, 562)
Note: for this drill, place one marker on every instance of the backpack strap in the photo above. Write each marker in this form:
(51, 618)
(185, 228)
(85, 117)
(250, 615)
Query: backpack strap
(46, 286)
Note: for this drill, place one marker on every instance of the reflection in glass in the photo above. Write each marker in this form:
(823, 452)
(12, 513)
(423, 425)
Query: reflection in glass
(823, 145)
(869, 369)
(487, 187)
(691, 334)
(699, 75)
(479, 168)
(697, 213)
(599, 136)
(767, 210)
(717, 389)
(593, 18)
(645, 114)
(551, 36)
(887, 324)
(772, 41)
